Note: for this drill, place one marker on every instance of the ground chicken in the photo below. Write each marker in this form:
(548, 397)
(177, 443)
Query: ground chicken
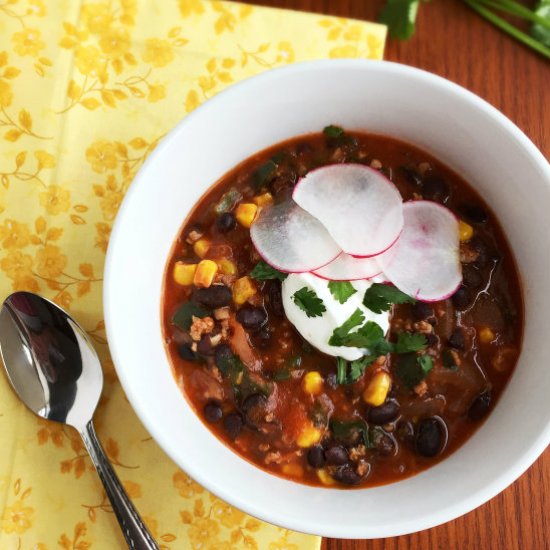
(201, 326)
(423, 327)
(421, 389)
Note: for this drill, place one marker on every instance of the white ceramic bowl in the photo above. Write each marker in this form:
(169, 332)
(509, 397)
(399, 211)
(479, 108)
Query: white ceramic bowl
(444, 119)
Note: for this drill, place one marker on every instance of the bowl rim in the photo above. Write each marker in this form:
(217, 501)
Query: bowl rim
(274, 516)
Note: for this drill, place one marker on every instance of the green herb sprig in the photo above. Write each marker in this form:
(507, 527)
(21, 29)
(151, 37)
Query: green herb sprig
(309, 302)
(264, 272)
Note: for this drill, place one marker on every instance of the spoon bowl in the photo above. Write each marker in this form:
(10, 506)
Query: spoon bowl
(54, 369)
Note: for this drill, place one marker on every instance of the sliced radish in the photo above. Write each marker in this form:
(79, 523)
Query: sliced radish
(425, 261)
(291, 240)
(347, 268)
(361, 209)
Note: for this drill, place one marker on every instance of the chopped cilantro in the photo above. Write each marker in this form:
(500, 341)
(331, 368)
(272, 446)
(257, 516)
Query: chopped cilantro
(228, 201)
(341, 290)
(263, 272)
(412, 368)
(184, 315)
(309, 302)
(350, 431)
(333, 131)
(231, 367)
(449, 360)
(341, 370)
(410, 341)
(263, 174)
(379, 297)
(358, 367)
(340, 333)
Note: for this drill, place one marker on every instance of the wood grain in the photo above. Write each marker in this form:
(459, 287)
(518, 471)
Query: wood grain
(455, 43)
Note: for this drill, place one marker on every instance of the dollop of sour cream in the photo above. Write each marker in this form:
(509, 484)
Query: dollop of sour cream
(318, 330)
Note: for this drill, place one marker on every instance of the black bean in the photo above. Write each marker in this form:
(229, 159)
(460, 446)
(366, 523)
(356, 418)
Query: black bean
(480, 406)
(456, 339)
(471, 277)
(254, 407)
(412, 175)
(275, 299)
(421, 311)
(432, 339)
(347, 475)
(387, 412)
(205, 346)
(252, 318)
(435, 188)
(214, 296)
(281, 186)
(431, 437)
(473, 213)
(383, 442)
(212, 412)
(233, 424)
(405, 431)
(461, 298)
(316, 457)
(336, 455)
(254, 400)
(185, 352)
(226, 222)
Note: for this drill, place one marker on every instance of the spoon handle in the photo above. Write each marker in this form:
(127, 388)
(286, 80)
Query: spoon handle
(135, 532)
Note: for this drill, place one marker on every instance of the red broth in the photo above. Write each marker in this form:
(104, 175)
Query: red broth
(242, 365)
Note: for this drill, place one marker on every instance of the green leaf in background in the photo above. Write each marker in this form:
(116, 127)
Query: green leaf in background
(184, 315)
(400, 17)
(538, 31)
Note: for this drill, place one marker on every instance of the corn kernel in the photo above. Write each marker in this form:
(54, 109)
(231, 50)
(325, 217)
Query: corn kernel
(312, 383)
(325, 478)
(206, 271)
(294, 470)
(465, 231)
(245, 213)
(376, 392)
(262, 200)
(184, 273)
(243, 289)
(201, 247)
(227, 267)
(486, 335)
(309, 436)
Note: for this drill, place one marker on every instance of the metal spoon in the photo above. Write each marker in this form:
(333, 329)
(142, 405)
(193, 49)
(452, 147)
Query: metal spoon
(55, 371)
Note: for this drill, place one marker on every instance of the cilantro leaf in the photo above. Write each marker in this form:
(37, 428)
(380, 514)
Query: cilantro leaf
(231, 366)
(184, 315)
(412, 368)
(341, 290)
(400, 17)
(358, 367)
(263, 272)
(339, 334)
(264, 173)
(309, 302)
(350, 432)
(379, 297)
(333, 131)
(368, 336)
(341, 370)
(410, 341)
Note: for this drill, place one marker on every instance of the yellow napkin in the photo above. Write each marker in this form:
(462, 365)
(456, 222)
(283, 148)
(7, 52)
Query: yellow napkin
(87, 89)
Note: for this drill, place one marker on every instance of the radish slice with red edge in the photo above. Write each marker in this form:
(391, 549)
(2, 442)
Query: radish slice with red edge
(425, 261)
(291, 240)
(361, 209)
(347, 268)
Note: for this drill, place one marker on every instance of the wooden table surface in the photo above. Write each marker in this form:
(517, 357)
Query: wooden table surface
(454, 42)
